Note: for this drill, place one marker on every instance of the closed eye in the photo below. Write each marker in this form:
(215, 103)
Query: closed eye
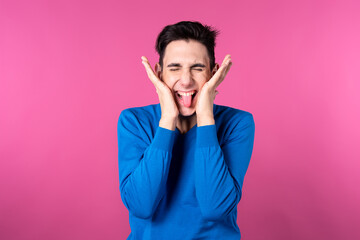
(174, 69)
(198, 67)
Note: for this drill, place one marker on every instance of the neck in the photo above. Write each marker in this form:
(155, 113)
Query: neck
(184, 124)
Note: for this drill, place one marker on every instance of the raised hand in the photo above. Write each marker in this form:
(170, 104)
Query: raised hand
(204, 105)
(169, 110)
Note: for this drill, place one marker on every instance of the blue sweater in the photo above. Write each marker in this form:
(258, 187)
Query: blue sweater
(183, 186)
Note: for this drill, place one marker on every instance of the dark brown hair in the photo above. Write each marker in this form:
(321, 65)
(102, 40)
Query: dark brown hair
(187, 30)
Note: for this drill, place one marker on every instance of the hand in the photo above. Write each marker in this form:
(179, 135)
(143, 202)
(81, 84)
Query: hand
(204, 105)
(169, 110)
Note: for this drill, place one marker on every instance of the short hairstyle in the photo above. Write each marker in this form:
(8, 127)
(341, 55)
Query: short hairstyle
(187, 30)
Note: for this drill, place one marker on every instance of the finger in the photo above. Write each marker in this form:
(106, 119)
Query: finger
(219, 76)
(228, 68)
(148, 68)
(222, 77)
(225, 64)
(218, 73)
(226, 58)
(150, 72)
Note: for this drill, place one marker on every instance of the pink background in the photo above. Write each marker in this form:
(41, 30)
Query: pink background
(68, 68)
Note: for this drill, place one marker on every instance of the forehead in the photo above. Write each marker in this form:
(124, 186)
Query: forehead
(186, 52)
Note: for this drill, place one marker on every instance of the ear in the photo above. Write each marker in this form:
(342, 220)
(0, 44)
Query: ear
(158, 70)
(216, 67)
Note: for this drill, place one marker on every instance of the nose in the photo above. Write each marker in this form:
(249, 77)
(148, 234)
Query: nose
(186, 78)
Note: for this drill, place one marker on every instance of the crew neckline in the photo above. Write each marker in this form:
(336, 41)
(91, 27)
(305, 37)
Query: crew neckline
(187, 133)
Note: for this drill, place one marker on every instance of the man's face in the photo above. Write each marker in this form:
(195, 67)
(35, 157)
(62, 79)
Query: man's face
(186, 68)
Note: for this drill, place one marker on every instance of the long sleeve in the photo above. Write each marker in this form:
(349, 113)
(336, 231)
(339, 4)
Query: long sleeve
(220, 171)
(143, 162)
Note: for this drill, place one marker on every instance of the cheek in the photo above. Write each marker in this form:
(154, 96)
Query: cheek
(203, 78)
(170, 81)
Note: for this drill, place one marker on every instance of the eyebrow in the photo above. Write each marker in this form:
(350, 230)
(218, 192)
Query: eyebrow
(174, 65)
(197, 65)
(192, 66)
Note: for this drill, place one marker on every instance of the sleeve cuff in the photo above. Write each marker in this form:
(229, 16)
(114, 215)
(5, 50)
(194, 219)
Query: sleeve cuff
(164, 139)
(206, 136)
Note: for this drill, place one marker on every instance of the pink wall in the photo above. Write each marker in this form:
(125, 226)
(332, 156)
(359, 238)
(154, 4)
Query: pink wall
(68, 68)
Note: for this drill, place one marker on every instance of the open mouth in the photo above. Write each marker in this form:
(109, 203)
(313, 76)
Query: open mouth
(186, 98)
(186, 94)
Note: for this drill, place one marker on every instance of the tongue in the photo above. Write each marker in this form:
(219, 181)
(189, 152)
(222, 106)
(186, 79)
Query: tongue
(187, 100)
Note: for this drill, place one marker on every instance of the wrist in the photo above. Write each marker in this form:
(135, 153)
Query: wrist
(203, 120)
(168, 123)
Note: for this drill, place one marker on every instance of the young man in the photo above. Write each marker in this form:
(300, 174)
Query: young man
(182, 162)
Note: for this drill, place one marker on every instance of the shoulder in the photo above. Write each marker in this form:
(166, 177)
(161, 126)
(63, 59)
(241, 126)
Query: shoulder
(229, 115)
(232, 123)
(147, 113)
(139, 121)
(146, 118)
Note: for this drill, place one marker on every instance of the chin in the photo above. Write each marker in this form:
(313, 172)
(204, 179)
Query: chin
(187, 112)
